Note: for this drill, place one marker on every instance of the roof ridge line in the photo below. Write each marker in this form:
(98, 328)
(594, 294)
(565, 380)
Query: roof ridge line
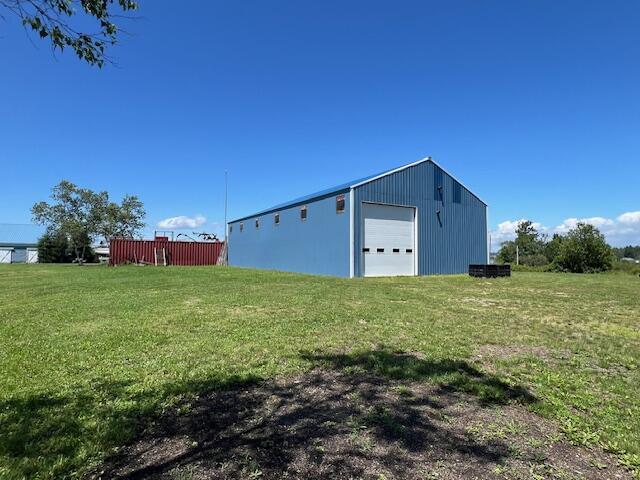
(350, 186)
(392, 171)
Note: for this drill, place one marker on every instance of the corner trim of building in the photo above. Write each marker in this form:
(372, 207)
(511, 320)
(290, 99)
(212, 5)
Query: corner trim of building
(487, 235)
(416, 243)
(351, 233)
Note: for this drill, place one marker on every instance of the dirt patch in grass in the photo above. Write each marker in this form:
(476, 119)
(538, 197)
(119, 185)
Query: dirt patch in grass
(347, 423)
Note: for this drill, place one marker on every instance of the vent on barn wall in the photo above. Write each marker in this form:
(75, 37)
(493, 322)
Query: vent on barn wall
(438, 194)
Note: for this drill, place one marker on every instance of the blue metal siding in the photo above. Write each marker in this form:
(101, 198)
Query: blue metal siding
(319, 244)
(457, 192)
(447, 242)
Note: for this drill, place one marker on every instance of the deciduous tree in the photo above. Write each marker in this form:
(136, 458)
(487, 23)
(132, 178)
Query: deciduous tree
(81, 215)
(552, 247)
(61, 22)
(528, 245)
(584, 250)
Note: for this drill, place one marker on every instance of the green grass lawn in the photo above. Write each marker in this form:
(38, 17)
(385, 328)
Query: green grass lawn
(88, 355)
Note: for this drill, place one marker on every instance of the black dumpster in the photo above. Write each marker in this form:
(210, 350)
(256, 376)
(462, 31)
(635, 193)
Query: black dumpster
(490, 271)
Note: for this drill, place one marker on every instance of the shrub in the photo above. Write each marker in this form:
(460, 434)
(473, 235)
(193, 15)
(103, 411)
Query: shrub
(53, 248)
(584, 250)
(536, 260)
(507, 253)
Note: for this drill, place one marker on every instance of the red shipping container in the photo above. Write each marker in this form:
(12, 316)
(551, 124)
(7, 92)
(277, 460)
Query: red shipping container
(122, 250)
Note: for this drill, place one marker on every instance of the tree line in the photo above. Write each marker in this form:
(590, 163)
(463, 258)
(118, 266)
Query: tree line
(76, 217)
(582, 249)
(630, 251)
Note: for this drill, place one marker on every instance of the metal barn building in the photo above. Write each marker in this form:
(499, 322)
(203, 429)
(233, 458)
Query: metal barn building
(412, 220)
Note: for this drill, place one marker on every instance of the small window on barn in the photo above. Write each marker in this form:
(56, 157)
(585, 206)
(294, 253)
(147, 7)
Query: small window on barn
(230, 228)
(303, 212)
(257, 223)
(241, 227)
(457, 192)
(276, 219)
(340, 204)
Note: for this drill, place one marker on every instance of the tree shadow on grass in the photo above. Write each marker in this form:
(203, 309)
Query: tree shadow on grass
(354, 415)
(55, 435)
(450, 374)
(365, 414)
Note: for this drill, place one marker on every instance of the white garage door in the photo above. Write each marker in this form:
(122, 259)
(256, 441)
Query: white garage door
(5, 255)
(389, 240)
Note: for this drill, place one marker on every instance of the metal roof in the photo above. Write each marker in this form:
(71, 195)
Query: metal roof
(343, 188)
(17, 234)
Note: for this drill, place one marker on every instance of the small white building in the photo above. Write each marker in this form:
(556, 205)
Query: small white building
(629, 260)
(102, 252)
(19, 242)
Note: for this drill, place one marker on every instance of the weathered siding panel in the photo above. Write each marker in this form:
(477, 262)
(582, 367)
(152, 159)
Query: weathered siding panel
(319, 244)
(447, 242)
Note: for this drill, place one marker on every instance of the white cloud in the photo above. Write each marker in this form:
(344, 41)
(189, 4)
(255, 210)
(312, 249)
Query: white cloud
(182, 221)
(601, 223)
(629, 218)
(506, 230)
(623, 230)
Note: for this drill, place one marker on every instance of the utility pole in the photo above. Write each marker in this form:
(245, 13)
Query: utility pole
(225, 206)
(489, 259)
(223, 257)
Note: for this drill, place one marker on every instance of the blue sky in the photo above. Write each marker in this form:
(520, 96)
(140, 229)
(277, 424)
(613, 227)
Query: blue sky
(534, 105)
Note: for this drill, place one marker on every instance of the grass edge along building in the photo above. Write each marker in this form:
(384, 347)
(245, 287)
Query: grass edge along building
(413, 220)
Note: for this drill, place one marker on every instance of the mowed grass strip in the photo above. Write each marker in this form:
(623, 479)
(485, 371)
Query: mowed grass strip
(89, 355)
